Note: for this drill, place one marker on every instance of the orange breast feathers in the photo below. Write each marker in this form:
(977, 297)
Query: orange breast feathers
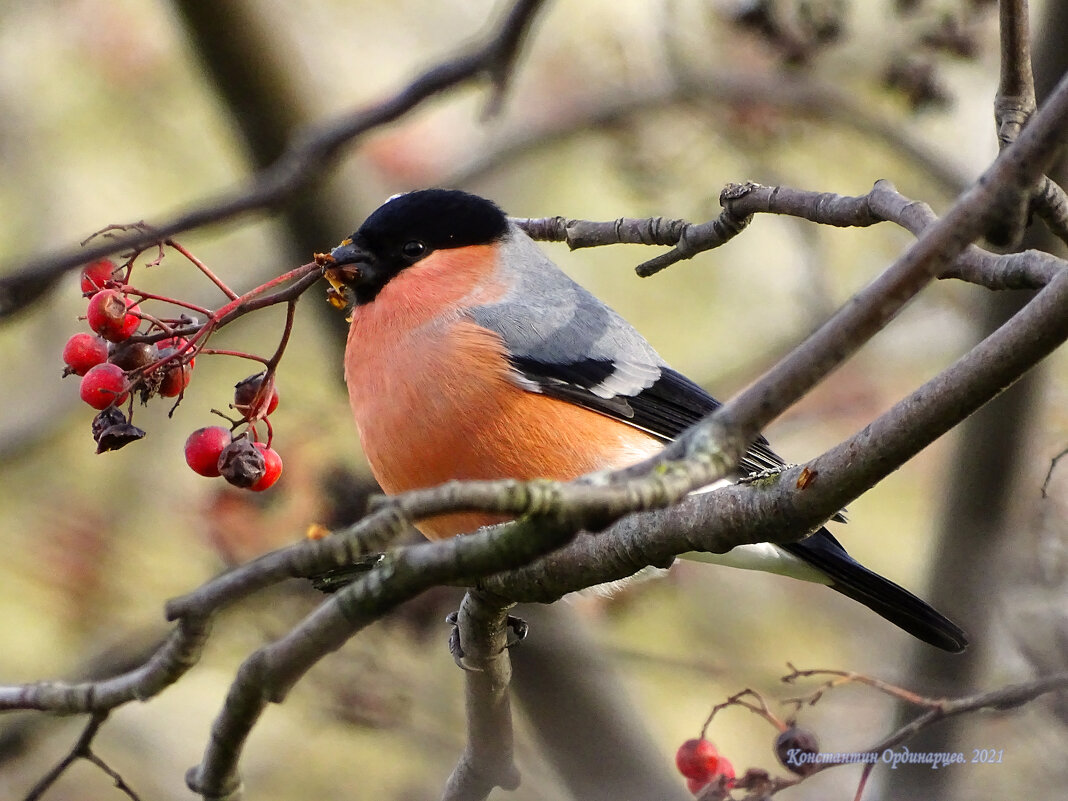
(434, 398)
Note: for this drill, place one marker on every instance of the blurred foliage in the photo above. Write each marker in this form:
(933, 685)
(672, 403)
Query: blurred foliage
(105, 117)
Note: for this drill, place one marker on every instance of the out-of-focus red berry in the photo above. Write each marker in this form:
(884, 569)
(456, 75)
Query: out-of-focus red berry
(256, 397)
(724, 768)
(83, 352)
(203, 447)
(103, 386)
(272, 468)
(96, 274)
(697, 759)
(111, 317)
(724, 772)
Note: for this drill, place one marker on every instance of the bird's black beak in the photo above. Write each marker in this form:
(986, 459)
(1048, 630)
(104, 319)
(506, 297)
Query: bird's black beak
(349, 269)
(348, 252)
(345, 265)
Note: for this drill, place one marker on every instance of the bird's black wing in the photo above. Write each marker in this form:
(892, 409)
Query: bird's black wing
(671, 404)
(667, 407)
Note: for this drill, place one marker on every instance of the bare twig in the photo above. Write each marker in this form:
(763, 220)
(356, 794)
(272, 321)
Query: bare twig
(1049, 473)
(207, 271)
(1027, 270)
(1014, 105)
(995, 700)
(267, 675)
(1051, 204)
(82, 749)
(747, 699)
(842, 677)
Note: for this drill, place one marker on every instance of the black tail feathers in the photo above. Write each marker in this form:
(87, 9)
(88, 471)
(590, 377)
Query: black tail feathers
(881, 595)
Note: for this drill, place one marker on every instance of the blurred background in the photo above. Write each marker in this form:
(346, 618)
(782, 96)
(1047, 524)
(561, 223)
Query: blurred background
(114, 111)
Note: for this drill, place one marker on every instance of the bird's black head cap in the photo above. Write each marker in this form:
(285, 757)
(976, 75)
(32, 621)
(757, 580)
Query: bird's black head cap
(409, 227)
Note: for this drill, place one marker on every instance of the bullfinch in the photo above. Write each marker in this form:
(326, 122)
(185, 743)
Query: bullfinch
(472, 356)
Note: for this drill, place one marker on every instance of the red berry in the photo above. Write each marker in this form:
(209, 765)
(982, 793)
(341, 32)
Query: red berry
(103, 386)
(111, 317)
(203, 447)
(83, 352)
(725, 768)
(96, 274)
(723, 773)
(176, 377)
(272, 468)
(697, 759)
(256, 396)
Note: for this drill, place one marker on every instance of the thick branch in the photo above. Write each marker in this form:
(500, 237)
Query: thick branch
(1013, 107)
(270, 672)
(1015, 169)
(487, 761)
(1015, 100)
(178, 653)
(777, 510)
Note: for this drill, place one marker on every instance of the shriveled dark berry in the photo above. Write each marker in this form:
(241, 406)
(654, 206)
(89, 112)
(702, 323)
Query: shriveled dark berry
(107, 419)
(118, 436)
(133, 355)
(796, 749)
(241, 463)
(256, 397)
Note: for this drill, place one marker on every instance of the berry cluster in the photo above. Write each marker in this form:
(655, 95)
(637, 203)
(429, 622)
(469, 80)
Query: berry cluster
(710, 775)
(130, 353)
(701, 764)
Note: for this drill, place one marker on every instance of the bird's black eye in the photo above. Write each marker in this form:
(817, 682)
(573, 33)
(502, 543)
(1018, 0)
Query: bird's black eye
(413, 250)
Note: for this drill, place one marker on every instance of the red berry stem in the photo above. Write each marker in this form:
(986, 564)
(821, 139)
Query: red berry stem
(173, 301)
(291, 312)
(211, 276)
(305, 275)
(238, 353)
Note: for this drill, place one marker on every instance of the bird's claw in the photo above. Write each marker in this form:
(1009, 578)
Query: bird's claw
(517, 632)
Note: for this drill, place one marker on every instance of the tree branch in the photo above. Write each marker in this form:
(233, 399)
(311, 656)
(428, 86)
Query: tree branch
(778, 510)
(1028, 270)
(179, 652)
(487, 760)
(304, 159)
